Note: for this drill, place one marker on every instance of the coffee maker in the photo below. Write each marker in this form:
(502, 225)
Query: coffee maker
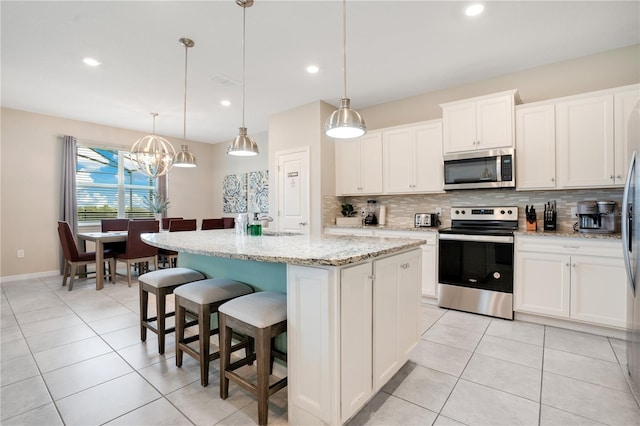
(598, 217)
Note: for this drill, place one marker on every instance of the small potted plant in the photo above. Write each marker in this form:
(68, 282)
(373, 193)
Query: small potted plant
(349, 216)
(156, 204)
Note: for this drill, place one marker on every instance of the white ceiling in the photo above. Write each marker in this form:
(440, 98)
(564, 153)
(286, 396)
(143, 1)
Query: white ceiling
(396, 49)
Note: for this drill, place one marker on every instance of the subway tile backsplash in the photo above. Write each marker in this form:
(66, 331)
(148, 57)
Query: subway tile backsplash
(401, 208)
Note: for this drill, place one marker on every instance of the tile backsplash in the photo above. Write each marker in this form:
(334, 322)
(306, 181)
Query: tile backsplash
(400, 209)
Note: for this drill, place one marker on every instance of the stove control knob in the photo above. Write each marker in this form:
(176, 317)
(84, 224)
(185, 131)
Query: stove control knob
(510, 212)
(501, 211)
(463, 212)
(457, 211)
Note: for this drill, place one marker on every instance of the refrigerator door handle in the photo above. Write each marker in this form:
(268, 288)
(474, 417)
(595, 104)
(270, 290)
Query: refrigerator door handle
(625, 223)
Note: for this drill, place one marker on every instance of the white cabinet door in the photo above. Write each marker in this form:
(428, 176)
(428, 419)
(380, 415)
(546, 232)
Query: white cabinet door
(494, 128)
(396, 301)
(429, 173)
(625, 103)
(479, 123)
(356, 337)
(359, 165)
(459, 127)
(599, 290)
(543, 283)
(536, 147)
(429, 271)
(399, 161)
(412, 160)
(584, 132)
(347, 154)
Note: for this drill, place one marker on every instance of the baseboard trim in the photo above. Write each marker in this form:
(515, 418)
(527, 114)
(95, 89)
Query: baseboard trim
(572, 325)
(25, 277)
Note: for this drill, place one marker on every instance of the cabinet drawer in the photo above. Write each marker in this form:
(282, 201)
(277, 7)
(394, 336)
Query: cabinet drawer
(431, 238)
(571, 246)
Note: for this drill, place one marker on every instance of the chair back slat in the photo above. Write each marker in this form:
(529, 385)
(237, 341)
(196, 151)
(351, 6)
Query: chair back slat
(135, 246)
(68, 242)
(114, 225)
(182, 225)
(167, 220)
(212, 224)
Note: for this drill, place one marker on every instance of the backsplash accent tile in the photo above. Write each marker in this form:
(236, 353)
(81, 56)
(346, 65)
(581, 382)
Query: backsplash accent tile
(401, 208)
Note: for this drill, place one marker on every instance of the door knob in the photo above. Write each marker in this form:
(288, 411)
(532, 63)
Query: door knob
(302, 223)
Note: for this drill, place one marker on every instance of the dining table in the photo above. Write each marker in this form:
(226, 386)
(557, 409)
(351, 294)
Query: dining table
(100, 238)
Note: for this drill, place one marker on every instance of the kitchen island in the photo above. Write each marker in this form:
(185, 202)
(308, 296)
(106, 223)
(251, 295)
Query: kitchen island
(352, 307)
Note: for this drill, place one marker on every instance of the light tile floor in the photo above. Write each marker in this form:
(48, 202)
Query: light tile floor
(75, 358)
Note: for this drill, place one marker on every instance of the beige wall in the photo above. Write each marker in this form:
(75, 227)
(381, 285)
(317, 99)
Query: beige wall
(605, 70)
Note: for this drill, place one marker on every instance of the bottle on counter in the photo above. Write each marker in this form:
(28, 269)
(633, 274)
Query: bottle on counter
(255, 227)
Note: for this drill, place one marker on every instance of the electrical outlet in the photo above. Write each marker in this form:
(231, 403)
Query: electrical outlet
(438, 210)
(20, 253)
(574, 212)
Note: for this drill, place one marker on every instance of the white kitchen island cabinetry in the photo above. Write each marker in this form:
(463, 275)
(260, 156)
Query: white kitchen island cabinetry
(359, 165)
(485, 122)
(412, 158)
(581, 279)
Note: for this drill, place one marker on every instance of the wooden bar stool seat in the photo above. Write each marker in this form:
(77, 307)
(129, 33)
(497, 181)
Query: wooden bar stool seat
(261, 316)
(161, 283)
(203, 299)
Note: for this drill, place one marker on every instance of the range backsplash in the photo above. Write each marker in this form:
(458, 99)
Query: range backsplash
(400, 209)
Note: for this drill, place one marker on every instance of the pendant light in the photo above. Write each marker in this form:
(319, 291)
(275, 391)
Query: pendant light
(154, 154)
(243, 145)
(344, 123)
(184, 158)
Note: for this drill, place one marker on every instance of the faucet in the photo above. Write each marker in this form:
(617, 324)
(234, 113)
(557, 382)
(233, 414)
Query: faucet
(265, 219)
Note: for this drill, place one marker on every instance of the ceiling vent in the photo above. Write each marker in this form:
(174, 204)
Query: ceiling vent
(224, 80)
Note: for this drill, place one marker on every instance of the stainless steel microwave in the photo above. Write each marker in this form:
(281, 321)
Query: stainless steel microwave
(480, 169)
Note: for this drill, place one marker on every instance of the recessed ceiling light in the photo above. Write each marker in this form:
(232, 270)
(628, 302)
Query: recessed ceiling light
(225, 102)
(474, 9)
(91, 62)
(312, 69)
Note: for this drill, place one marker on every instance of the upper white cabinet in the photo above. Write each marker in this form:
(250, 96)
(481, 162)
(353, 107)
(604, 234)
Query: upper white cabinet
(485, 122)
(412, 158)
(584, 132)
(536, 147)
(623, 105)
(359, 165)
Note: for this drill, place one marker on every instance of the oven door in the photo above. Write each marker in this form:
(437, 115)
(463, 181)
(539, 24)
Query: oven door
(476, 261)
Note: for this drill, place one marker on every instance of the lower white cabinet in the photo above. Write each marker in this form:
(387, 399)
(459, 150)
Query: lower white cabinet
(571, 278)
(354, 327)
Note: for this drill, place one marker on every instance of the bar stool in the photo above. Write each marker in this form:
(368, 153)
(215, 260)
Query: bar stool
(203, 298)
(262, 316)
(161, 283)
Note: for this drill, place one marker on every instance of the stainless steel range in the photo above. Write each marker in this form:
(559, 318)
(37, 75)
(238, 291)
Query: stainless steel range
(475, 267)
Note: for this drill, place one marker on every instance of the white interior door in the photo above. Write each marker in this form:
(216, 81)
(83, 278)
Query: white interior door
(293, 191)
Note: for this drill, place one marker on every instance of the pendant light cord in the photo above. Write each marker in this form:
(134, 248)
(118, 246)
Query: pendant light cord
(154, 114)
(184, 111)
(344, 45)
(244, 19)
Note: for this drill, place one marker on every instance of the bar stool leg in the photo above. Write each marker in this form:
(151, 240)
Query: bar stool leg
(225, 355)
(161, 315)
(144, 315)
(180, 326)
(204, 320)
(263, 342)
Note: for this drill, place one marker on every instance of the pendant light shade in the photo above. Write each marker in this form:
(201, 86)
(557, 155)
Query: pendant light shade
(154, 154)
(344, 123)
(184, 158)
(243, 145)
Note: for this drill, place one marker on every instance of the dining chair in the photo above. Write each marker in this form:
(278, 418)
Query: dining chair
(167, 220)
(138, 251)
(108, 225)
(175, 225)
(229, 222)
(212, 224)
(73, 258)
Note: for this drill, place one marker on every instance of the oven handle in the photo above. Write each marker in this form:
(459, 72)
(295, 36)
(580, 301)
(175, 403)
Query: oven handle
(480, 238)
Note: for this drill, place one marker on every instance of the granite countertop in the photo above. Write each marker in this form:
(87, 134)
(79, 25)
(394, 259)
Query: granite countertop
(280, 248)
(385, 227)
(569, 234)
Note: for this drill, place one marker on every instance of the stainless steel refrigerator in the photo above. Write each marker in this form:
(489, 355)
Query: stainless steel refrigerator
(631, 250)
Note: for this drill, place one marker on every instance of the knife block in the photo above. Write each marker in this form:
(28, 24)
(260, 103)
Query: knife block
(532, 226)
(550, 221)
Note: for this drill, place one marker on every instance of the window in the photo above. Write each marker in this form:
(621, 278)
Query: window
(108, 185)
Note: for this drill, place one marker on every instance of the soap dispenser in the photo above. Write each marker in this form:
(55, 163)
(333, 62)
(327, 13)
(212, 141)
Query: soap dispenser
(255, 227)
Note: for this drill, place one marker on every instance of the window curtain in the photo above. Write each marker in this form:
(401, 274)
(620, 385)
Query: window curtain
(68, 207)
(161, 189)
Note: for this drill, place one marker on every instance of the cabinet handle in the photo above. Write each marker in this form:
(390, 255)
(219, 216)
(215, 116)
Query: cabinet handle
(567, 264)
(571, 247)
(371, 277)
(553, 179)
(610, 176)
(573, 265)
(618, 177)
